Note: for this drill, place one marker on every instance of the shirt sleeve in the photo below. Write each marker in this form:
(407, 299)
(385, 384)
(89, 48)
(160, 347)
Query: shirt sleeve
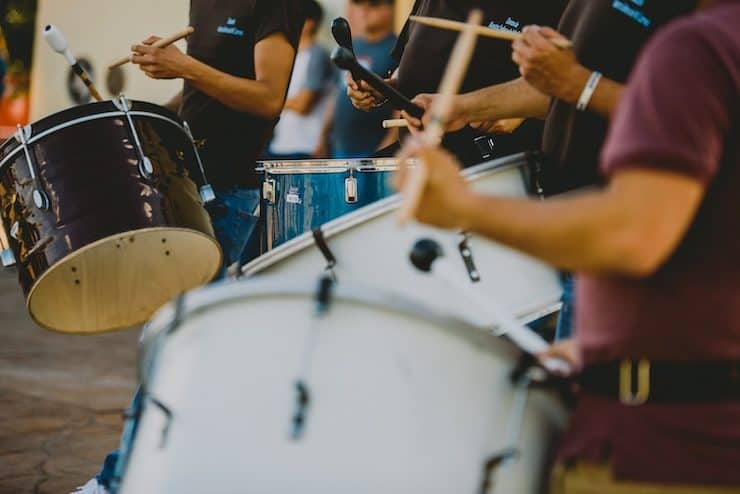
(280, 16)
(403, 38)
(319, 70)
(675, 112)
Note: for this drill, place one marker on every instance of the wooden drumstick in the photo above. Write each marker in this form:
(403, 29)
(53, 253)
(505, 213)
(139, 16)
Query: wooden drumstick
(481, 30)
(58, 43)
(395, 123)
(440, 110)
(158, 44)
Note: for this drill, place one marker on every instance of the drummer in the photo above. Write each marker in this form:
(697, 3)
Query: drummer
(423, 52)
(235, 80)
(658, 323)
(235, 77)
(576, 91)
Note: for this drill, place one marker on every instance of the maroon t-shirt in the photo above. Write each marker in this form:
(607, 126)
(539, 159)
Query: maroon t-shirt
(681, 114)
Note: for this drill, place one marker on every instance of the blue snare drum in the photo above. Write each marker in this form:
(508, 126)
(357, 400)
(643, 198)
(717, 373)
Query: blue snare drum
(299, 196)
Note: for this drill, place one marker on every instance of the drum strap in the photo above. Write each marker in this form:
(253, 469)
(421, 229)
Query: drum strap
(318, 237)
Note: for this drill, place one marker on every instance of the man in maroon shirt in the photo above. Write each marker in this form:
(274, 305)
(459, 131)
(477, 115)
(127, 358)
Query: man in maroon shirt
(657, 249)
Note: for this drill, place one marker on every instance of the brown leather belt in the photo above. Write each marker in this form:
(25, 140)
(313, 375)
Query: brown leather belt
(636, 382)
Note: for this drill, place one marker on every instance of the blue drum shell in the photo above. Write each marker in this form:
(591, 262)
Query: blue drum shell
(305, 200)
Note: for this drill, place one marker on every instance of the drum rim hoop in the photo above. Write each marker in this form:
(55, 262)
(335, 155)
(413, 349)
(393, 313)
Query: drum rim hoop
(77, 121)
(174, 314)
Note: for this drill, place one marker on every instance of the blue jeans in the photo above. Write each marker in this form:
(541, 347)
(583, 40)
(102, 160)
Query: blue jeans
(565, 320)
(235, 224)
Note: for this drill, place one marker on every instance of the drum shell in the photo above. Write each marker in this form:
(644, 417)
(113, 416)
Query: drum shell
(403, 398)
(88, 166)
(311, 193)
(369, 246)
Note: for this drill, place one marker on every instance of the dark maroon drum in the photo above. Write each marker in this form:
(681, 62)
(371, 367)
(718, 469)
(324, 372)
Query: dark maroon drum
(103, 208)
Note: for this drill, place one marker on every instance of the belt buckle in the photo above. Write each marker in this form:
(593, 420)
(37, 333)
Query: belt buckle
(627, 395)
(485, 145)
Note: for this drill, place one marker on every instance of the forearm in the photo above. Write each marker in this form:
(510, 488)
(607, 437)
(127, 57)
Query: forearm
(513, 99)
(303, 102)
(604, 99)
(583, 233)
(251, 96)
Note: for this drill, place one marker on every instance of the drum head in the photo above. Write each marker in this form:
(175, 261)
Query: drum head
(122, 280)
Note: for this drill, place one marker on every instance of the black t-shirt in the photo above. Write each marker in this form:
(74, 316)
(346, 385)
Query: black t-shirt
(607, 37)
(226, 32)
(424, 51)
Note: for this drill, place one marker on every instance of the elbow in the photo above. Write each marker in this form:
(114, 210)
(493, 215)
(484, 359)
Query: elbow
(271, 108)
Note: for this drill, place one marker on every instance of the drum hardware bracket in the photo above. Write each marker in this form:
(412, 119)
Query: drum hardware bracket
(7, 257)
(177, 317)
(516, 421)
(206, 191)
(168, 419)
(146, 169)
(40, 199)
(350, 190)
(15, 230)
(492, 464)
(331, 260)
(268, 191)
(467, 256)
(303, 392)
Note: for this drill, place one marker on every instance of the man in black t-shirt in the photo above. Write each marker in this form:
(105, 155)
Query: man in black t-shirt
(424, 51)
(576, 91)
(236, 74)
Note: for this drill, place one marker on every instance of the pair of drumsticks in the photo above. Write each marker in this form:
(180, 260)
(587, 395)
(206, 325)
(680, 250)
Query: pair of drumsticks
(58, 43)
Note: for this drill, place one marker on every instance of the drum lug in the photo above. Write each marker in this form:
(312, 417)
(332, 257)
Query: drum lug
(40, 199)
(8, 258)
(206, 191)
(467, 256)
(14, 230)
(268, 191)
(146, 168)
(350, 190)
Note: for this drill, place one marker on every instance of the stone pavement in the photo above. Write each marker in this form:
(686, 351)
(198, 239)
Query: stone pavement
(61, 399)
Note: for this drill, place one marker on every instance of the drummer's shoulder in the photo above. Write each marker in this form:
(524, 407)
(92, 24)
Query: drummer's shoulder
(713, 30)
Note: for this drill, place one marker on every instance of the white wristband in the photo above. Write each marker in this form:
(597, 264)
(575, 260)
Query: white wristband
(588, 91)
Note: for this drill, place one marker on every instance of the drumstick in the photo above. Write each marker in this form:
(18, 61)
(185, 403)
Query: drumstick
(440, 110)
(158, 44)
(58, 43)
(395, 123)
(481, 30)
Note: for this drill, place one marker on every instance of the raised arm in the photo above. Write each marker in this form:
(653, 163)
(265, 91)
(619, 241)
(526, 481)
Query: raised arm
(263, 96)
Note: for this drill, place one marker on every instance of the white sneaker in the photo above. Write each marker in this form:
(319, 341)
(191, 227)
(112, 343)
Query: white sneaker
(92, 487)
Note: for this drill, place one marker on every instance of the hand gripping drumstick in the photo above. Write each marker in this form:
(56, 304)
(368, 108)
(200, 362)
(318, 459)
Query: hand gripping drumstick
(481, 30)
(440, 110)
(58, 43)
(164, 42)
